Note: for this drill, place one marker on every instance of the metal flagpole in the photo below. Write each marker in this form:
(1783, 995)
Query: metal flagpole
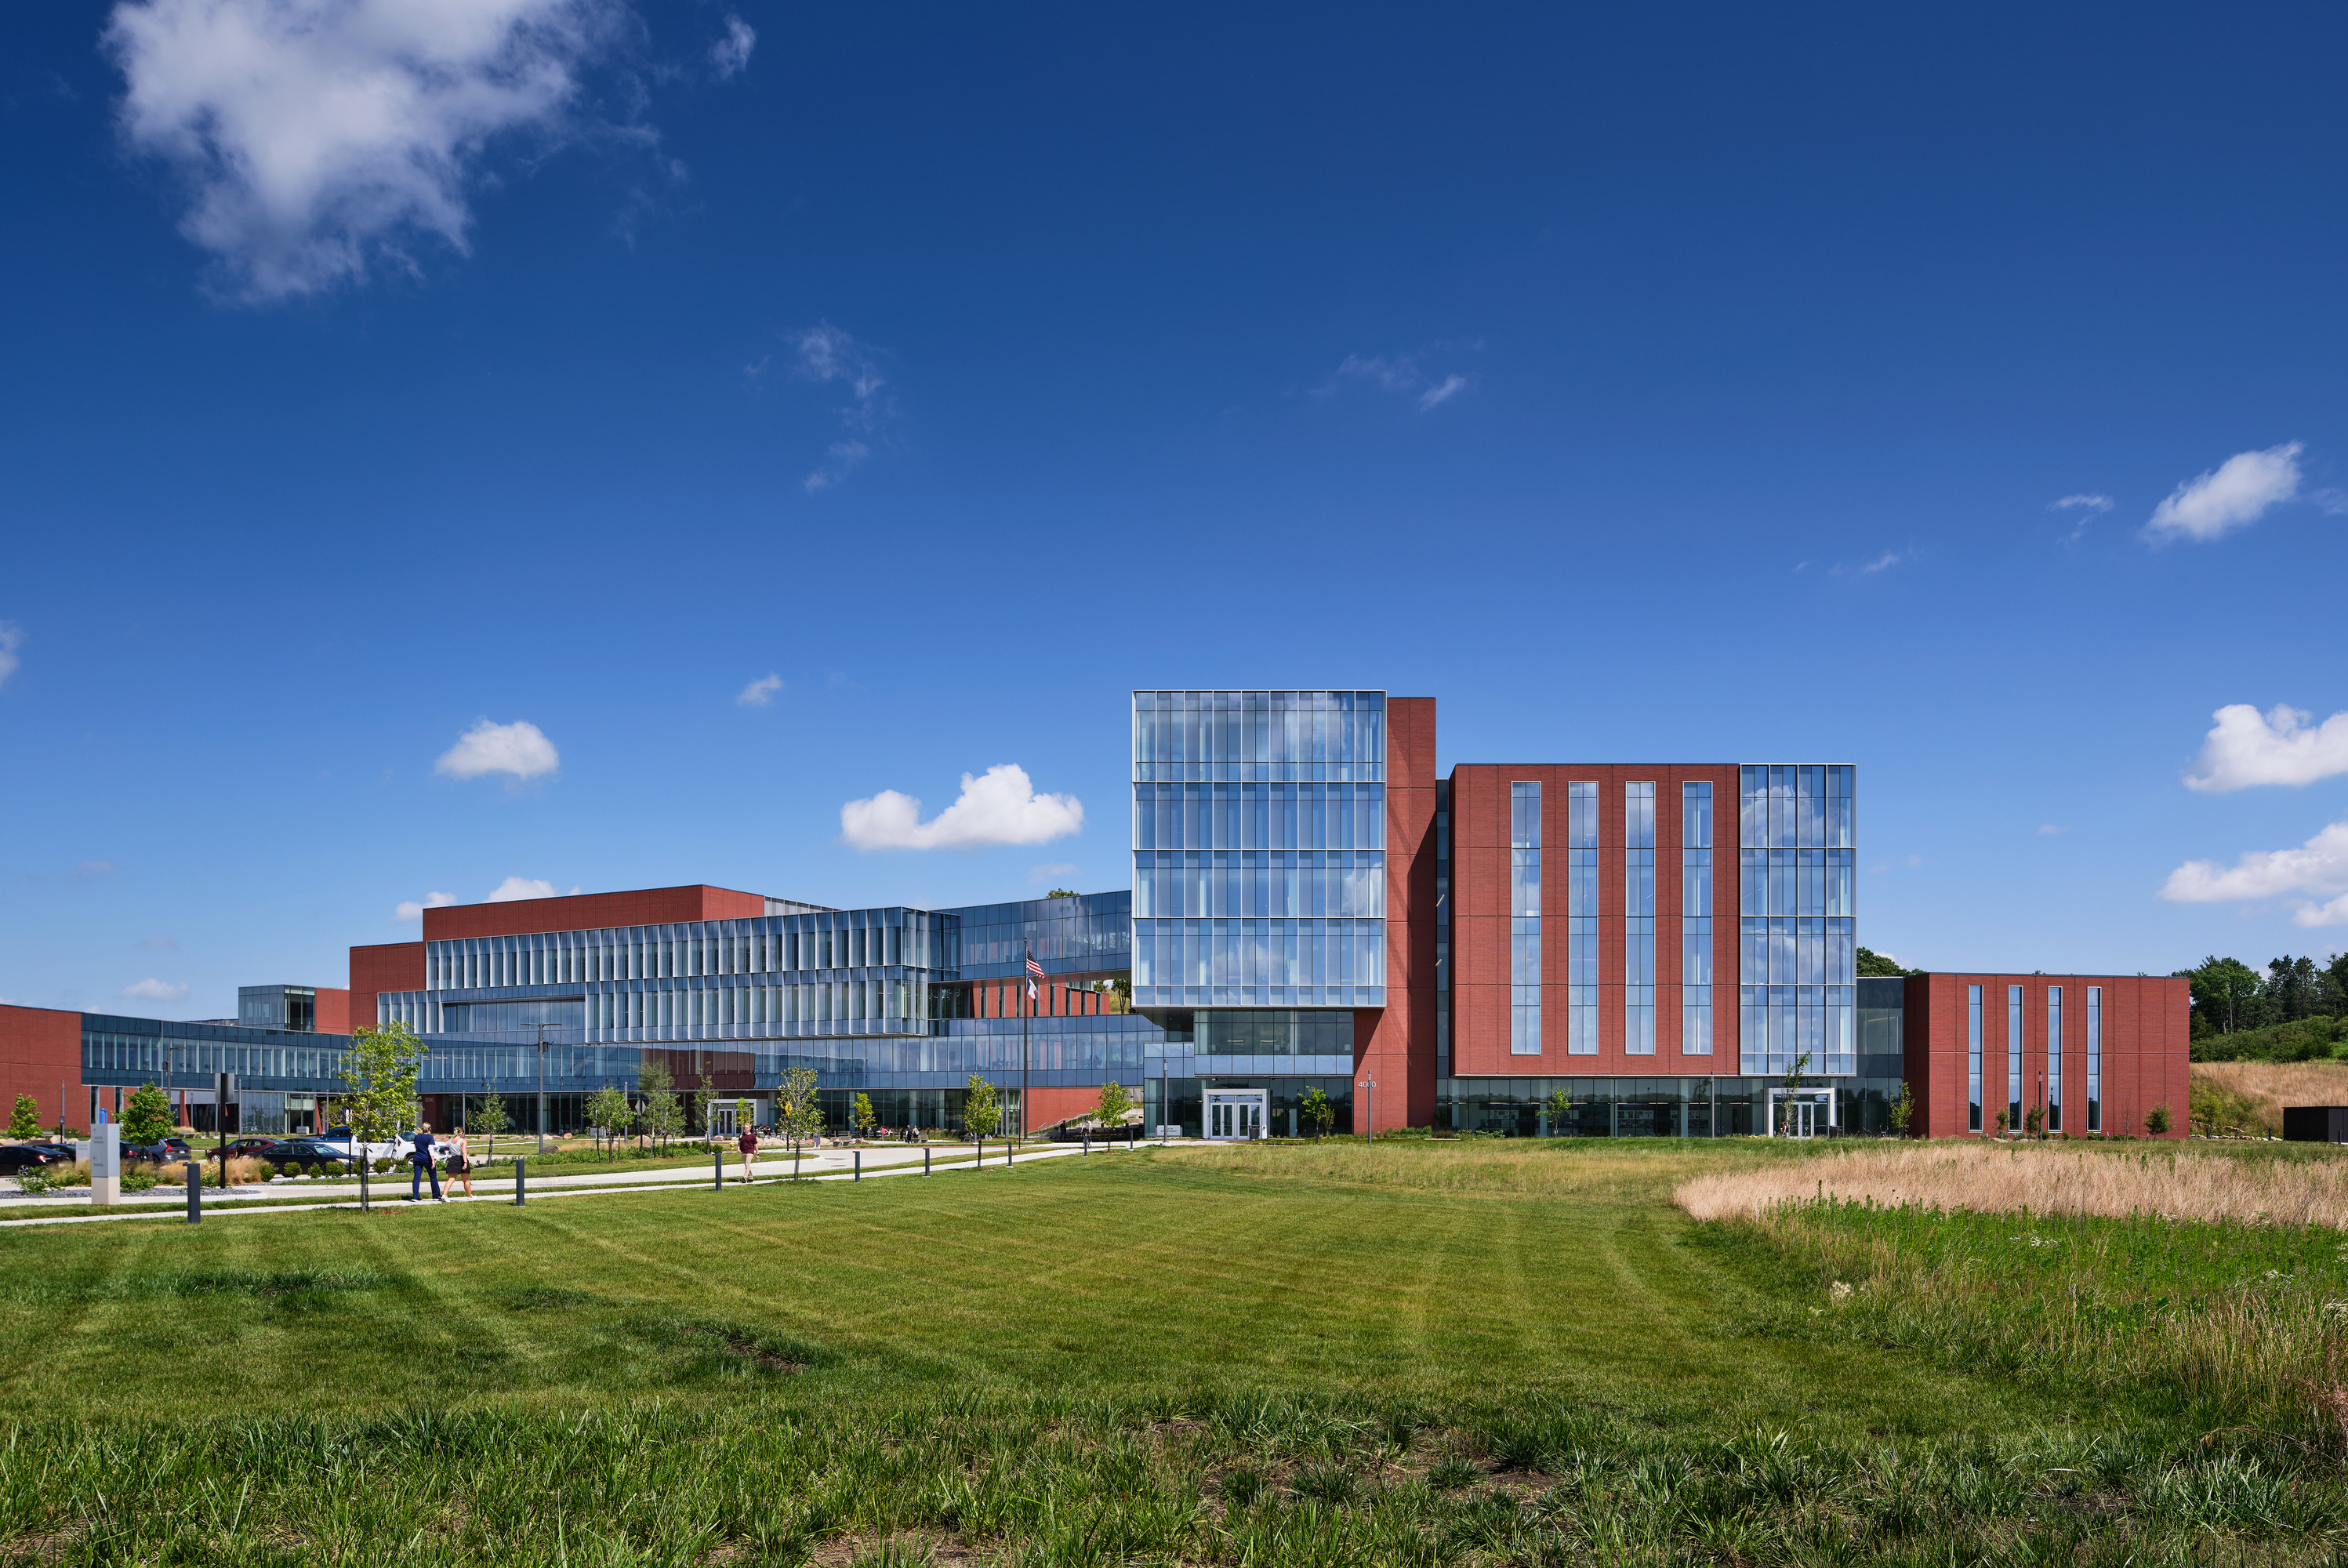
(1026, 1006)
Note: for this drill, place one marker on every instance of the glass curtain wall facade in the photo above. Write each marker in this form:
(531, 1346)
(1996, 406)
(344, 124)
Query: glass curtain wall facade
(1798, 961)
(1258, 849)
(1695, 918)
(1524, 919)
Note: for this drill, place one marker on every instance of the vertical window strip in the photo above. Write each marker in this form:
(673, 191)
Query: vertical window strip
(1524, 919)
(1638, 918)
(1695, 918)
(1974, 1056)
(2053, 1059)
(2095, 1058)
(1581, 918)
(2014, 1058)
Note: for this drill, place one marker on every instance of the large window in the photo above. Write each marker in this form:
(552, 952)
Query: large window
(2095, 1058)
(1974, 1056)
(1639, 919)
(1696, 919)
(1798, 940)
(2053, 1059)
(1524, 919)
(2014, 1058)
(1258, 849)
(1581, 918)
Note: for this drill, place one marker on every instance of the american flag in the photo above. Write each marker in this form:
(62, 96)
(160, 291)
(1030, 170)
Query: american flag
(1035, 973)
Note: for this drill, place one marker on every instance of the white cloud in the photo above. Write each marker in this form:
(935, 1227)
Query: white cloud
(1399, 374)
(513, 888)
(1883, 562)
(2087, 507)
(12, 637)
(409, 909)
(760, 692)
(2317, 868)
(2237, 492)
(519, 748)
(1000, 808)
(2333, 503)
(2247, 748)
(1442, 392)
(827, 354)
(155, 991)
(731, 53)
(321, 138)
(95, 869)
(1050, 873)
(2047, 829)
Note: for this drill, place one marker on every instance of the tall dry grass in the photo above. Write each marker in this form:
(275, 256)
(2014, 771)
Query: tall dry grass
(2251, 1095)
(2042, 1178)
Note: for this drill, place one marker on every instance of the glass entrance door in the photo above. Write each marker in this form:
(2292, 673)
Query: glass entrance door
(1235, 1114)
(1801, 1112)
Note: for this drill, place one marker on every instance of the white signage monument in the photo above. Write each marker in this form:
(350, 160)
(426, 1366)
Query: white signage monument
(105, 1161)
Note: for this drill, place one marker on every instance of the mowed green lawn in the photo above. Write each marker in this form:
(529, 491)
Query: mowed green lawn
(1286, 1358)
(1150, 1271)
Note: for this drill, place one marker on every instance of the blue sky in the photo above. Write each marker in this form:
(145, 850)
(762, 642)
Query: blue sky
(1673, 383)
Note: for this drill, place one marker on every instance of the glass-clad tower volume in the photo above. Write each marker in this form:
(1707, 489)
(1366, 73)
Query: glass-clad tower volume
(1258, 849)
(1798, 967)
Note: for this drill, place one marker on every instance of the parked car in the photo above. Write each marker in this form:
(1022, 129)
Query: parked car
(242, 1148)
(304, 1154)
(31, 1157)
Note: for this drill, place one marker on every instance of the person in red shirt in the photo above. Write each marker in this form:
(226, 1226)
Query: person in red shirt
(747, 1142)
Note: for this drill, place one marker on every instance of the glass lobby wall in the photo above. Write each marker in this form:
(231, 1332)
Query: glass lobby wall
(1184, 1102)
(1644, 1108)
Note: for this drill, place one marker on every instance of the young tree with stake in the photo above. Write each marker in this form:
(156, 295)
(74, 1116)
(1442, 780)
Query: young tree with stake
(981, 1113)
(147, 1118)
(490, 1119)
(609, 1112)
(798, 1112)
(378, 1100)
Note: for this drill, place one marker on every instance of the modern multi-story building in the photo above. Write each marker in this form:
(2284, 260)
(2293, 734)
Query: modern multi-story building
(1536, 948)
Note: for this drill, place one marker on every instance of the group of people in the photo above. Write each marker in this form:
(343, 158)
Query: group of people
(422, 1161)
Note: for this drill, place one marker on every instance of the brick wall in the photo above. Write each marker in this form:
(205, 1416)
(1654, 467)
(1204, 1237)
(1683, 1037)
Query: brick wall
(591, 912)
(2146, 1051)
(1480, 915)
(40, 1054)
(1396, 1044)
(386, 966)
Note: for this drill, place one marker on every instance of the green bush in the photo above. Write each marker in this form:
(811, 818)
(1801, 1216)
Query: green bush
(264, 1169)
(333, 1167)
(383, 1166)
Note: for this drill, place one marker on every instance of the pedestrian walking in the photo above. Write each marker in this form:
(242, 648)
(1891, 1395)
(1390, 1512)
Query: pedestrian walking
(460, 1159)
(748, 1144)
(419, 1166)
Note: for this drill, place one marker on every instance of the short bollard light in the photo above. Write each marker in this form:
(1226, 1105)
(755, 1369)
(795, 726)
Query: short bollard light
(1088, 1141)
(717, 1169)
(522, 1183)
(195, 1192)
(925, 1159)
(859, 1167)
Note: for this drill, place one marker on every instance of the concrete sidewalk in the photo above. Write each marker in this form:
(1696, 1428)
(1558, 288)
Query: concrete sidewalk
(831, 1165)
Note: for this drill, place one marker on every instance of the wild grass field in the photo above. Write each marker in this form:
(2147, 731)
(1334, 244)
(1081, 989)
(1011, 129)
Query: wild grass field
(1406, 1354)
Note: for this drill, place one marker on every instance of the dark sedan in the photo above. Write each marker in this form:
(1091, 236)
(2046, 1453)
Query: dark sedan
(303, 1154)
(31, 1157)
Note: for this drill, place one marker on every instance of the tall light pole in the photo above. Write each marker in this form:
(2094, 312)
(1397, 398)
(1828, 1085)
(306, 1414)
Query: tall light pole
(541, 1088)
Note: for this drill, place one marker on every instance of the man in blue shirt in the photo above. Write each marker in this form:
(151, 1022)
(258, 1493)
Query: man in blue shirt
(420, 1166)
